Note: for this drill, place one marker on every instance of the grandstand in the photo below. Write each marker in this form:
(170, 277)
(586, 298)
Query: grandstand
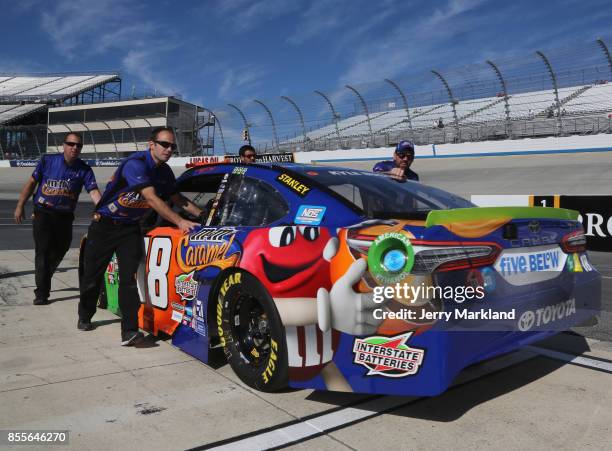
(25, 99)
(36, 111)
(556, 92)
(22, 95)
(578, 100)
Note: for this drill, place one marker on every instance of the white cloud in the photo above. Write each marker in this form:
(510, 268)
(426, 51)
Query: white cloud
(442, 15)
(142, 63)
(319, 18)
(236, 81)
(78, 27)
(393, 53)
(244, 15)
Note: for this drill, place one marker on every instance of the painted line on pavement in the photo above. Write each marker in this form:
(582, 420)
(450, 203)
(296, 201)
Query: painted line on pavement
(594, 363)
(293, 432)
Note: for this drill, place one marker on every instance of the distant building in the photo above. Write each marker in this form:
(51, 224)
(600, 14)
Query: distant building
(115, 129)
(37, 110)
(25, 98)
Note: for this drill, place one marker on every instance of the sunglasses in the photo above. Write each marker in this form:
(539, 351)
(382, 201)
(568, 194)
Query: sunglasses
(73, 144)
(166, 144)
(403, 155)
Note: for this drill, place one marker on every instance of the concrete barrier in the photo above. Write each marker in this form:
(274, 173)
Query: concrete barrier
(533, 146)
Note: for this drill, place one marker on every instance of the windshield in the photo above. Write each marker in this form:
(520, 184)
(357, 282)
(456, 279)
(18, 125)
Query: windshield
(380, 196)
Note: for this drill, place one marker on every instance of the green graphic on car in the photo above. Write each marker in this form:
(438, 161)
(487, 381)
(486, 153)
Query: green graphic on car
(390, 258)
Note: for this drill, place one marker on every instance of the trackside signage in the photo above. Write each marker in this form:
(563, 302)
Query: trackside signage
(595, 212)
(596, 218)
(23, 163)
(93, 163)
(265, 158)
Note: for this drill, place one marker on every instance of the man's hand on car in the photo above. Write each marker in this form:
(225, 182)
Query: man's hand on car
(397, 173)
(186, 226)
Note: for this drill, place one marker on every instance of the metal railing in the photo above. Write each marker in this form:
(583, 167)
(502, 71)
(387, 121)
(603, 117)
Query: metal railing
(512, 98)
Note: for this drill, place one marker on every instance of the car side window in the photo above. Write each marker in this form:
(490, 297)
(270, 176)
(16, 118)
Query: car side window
(200, 189)
(249, 202)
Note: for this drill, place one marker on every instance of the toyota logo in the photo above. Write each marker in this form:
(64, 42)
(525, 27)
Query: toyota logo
(534, 226)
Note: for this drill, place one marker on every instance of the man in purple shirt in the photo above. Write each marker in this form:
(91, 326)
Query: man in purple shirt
(141, 182)
(58, 180)
(399, 167)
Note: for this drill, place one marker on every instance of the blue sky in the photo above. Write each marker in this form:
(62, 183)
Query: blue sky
(212, 52)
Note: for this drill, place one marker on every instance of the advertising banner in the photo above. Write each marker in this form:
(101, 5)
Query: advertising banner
(595, 212)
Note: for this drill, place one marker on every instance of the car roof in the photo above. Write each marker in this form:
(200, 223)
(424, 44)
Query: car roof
(295, 169)
(300, 168)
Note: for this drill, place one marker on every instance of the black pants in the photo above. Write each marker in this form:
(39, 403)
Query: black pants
(52, 238)
(102, 240)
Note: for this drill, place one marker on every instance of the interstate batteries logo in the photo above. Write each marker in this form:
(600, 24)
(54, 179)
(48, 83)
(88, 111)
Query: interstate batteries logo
(388, 356)
(186, 286)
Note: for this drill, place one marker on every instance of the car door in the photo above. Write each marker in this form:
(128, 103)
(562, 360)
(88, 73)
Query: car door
(180, 269)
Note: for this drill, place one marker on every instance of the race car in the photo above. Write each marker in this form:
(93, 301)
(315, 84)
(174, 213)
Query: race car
(338, 279)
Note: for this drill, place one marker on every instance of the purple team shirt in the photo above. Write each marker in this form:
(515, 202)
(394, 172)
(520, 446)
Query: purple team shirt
(122, 200)
(60, 185)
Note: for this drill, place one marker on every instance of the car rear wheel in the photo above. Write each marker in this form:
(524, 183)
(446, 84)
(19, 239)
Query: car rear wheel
(251, 332)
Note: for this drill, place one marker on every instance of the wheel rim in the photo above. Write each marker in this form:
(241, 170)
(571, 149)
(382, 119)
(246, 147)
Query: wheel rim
(251, 328)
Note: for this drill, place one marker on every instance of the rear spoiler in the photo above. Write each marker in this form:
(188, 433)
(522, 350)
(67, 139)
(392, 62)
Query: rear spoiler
(440, 217)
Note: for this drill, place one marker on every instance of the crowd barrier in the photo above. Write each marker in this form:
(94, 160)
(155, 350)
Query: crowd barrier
(529, 146)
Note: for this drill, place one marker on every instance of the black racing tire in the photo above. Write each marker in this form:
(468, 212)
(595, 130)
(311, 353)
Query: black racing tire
(251, 332)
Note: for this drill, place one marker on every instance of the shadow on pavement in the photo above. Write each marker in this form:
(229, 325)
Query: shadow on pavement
(459, 399)
(150, 341)
(8, 275)
(66, 298)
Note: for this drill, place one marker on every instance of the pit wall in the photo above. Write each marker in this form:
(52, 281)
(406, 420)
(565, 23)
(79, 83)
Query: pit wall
(569, 144)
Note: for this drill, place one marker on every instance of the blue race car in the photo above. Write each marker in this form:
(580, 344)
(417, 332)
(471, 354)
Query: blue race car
(332, 278)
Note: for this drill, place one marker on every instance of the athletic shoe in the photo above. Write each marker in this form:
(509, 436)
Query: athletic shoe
(85, 325)
(39, 301)
(131, 338)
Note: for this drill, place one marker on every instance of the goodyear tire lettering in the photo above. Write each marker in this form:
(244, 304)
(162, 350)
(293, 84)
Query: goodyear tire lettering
(269, 371)
(260, 363)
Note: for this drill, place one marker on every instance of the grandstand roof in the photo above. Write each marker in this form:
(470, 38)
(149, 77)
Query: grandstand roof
(23, 94)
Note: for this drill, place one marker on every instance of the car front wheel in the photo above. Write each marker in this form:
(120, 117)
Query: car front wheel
(251, 332)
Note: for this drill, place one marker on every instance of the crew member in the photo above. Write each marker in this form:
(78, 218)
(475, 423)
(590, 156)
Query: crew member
(142, 181)
(58, 180)
(247, 154)
(399, 167)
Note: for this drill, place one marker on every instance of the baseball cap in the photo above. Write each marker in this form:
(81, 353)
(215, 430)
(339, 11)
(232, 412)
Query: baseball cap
(404, 147)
